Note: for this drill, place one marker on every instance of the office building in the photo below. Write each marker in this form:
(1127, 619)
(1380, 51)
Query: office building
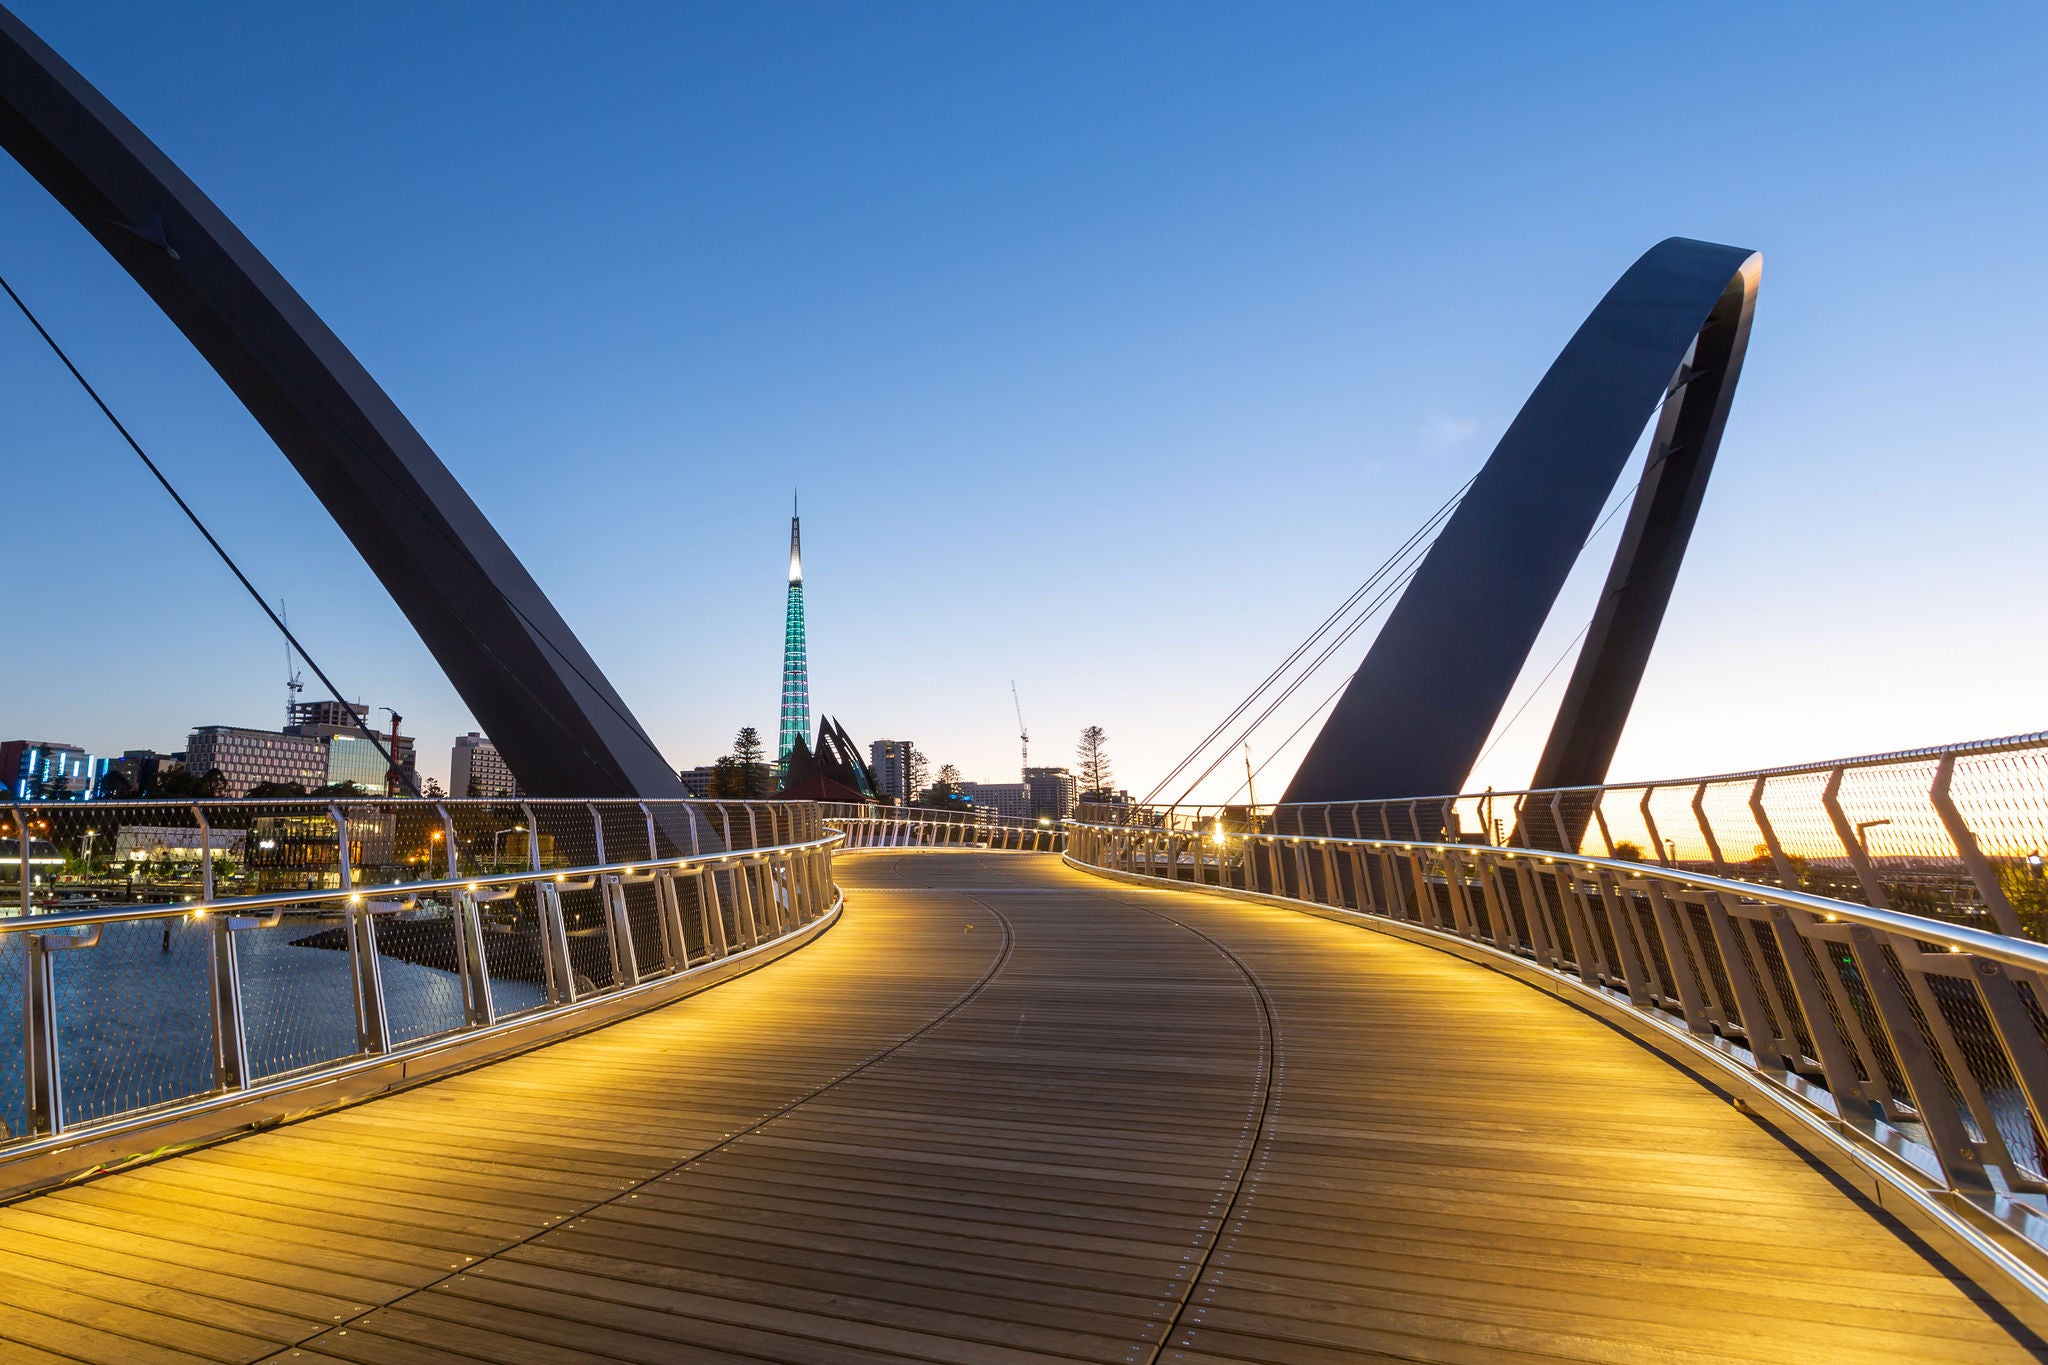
(1012, 799)
(357, 761)
(1055, 793)
(245, 758)
(476, 768)
(697, 781)
(890, 760)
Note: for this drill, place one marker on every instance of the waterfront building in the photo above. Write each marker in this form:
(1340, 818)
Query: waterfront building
(890, 762)
(1012, 799)
(697, 781)
(44, 770)
(796, 675)
(245, 758)
(476, 768)
(1055, 793)
(356, 760)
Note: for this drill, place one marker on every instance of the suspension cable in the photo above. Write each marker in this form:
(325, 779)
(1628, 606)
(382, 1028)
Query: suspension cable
(1435, 519)
(1622, 498)
(391, 764)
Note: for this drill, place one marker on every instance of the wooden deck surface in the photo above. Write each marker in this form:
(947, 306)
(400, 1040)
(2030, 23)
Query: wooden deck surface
(1008, 1112)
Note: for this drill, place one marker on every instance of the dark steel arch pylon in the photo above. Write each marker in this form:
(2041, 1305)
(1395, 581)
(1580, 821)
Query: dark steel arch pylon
(521, 670)
(1412, 720)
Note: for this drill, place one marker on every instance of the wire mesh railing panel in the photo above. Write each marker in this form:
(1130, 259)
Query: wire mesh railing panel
(1618, 822)
(564, 833)
(134, 1025)
(1725, 805)
(643, 921)
(490, 837)
(298, 993)
(1677, 835)
(515, 954)
(418, 957)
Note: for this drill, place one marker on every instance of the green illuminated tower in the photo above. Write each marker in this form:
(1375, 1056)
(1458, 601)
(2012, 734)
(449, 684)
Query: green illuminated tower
(796, 673)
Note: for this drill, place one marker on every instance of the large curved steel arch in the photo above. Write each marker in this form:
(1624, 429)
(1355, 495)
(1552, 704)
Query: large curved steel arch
(515, 662)
(1413, 718)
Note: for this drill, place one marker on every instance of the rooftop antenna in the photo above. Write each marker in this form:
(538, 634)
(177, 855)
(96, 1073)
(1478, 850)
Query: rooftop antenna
(1023, 735)
(294, 683)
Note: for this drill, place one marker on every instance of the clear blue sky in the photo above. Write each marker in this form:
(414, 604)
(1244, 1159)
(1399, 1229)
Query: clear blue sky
(1109, 344)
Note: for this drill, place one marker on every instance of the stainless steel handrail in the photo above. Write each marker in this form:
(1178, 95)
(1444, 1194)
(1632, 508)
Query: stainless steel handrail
(1918, 1044)
(905, 827)
(1953, 832)
(488, 949)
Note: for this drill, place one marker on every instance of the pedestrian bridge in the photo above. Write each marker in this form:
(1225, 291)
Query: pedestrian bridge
(982, 1105)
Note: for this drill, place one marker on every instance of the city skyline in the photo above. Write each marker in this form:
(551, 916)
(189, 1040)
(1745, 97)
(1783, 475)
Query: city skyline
(1260, 404)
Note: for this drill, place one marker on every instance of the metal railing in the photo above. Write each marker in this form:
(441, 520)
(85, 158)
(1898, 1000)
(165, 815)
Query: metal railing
(871, 827)
(1917, 1043)
(1955, 832)
(175, 957)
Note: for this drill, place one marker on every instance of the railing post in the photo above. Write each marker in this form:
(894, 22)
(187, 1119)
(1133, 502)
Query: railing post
(28, 880)
(711, 914)
(373, 1023)
(230, 1031)
(1982, 874)
(478, 1009)
(1859, 859)
(1961, 1163)
(558, 967)
(42, 1073)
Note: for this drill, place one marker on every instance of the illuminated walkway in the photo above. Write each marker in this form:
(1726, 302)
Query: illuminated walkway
(1006, 1112)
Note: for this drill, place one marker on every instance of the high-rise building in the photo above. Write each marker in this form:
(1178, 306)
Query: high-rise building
(697, 781)
(796, 673)
(1055, 793)
(246, 758)
(475, 768)
(890, 761)
(41, 770)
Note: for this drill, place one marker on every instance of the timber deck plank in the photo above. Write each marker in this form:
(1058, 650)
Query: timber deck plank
(1007, 1113)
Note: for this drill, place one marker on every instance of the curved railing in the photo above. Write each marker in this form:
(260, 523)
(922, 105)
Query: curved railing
(1954, 832)
(209, 996)
(1920, 1045)
(904, 827)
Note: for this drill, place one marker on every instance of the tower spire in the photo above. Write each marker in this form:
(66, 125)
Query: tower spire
(796, 680)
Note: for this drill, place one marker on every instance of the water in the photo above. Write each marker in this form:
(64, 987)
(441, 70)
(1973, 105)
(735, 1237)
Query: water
(135, 1023)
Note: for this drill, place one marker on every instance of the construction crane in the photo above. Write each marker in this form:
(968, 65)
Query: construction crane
(1023, 735)
(294, 683)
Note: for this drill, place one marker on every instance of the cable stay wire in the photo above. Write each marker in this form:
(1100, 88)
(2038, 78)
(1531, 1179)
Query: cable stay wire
(391, 764)
(1434, 521)
(1386, 595)
(1622, 498)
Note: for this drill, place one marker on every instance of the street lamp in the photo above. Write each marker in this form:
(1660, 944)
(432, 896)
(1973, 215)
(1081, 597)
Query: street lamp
(497, 841)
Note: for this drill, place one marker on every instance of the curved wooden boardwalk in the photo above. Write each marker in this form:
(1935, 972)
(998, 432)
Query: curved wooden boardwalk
(1008, 1112)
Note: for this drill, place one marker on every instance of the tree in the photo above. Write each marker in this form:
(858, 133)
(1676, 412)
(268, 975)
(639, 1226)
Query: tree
(728, 779)
(758, 779)
(270, 791)
(917, 771)
(1093, 755)
(431, 789)
(945, 792)
(176, 783)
